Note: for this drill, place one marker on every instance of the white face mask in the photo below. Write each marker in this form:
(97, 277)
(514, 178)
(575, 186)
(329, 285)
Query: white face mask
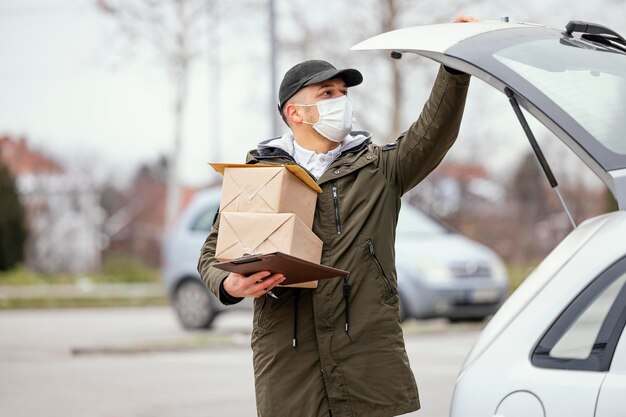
(336, 118)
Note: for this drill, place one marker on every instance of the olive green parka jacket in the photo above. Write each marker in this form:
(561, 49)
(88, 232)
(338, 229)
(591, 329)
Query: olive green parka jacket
(338, 350)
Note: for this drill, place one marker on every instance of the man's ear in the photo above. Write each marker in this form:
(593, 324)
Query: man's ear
(291, 112)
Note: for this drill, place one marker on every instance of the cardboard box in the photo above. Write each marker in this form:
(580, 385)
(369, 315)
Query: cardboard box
(261, 233)
(268, 189)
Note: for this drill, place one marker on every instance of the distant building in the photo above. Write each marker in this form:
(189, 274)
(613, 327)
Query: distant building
(521, 218)
(136, 227)
(458, 188)
(63, 212)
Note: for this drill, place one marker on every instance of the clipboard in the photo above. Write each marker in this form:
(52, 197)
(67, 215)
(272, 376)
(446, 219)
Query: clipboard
(295, 270)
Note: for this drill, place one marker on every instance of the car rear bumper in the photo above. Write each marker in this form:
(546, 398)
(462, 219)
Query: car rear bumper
(453, 303)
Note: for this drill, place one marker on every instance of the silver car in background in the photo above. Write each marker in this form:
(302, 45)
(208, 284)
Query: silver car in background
(195, 306)
(440, 273)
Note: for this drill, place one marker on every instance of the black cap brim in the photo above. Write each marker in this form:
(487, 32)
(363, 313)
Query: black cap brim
(350, 76)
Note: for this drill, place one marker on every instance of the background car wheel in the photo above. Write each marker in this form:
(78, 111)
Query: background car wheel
(193, 305)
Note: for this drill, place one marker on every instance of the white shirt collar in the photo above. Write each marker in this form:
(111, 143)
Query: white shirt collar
(315, 163)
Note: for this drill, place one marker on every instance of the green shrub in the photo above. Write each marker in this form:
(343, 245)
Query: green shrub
(13, 231)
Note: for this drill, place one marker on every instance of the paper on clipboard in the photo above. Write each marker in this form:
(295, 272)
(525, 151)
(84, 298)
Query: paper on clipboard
(296, 270)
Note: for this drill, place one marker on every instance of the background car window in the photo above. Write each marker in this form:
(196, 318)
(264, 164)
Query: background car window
(204, 221)
(586, 333)
(412, 221)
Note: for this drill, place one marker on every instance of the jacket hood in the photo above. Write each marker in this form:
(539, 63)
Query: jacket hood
(285, 142)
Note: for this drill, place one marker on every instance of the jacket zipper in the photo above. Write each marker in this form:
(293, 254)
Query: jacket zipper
(370, 245)
(336, 202)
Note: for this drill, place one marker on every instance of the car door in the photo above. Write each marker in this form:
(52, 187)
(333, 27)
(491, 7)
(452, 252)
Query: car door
(571, 82)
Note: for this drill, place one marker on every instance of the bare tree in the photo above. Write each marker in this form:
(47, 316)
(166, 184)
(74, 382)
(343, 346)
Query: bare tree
(307, 35)
(175, 29)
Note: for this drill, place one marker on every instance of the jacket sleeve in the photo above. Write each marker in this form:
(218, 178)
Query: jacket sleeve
(421, 148)
(211, 276)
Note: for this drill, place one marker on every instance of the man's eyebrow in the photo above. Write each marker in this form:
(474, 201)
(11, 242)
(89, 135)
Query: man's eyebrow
(327, 85)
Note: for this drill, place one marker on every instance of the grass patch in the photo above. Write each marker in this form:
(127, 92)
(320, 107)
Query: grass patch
(115, 269)
(76, 302)
(518, 273)
(126, 269)
(24, 276)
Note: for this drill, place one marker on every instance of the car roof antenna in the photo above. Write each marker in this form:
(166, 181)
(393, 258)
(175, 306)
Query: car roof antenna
(533, 143)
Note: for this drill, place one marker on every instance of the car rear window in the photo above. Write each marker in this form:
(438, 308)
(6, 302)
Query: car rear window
(591, 93)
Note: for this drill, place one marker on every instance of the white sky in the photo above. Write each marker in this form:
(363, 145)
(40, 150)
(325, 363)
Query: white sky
(66, 88)
(71, 97)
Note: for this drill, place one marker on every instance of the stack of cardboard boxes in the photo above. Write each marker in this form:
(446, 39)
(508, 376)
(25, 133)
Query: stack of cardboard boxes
(265, 209)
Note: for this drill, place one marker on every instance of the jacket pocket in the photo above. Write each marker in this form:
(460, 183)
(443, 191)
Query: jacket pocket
(266, 308)
(389, 290)
(260, 313)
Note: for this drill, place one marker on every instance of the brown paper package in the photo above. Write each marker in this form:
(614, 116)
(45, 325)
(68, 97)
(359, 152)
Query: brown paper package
(267, 190)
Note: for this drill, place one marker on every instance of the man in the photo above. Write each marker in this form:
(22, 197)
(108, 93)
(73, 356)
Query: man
(338, 350)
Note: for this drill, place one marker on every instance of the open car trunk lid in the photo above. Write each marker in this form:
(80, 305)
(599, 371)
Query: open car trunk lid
(573, 85)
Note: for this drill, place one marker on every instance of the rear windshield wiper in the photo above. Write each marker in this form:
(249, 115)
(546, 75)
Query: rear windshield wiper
(606, 40)
(596, 33)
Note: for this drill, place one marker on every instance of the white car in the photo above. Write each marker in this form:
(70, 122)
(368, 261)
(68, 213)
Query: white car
(556, 348)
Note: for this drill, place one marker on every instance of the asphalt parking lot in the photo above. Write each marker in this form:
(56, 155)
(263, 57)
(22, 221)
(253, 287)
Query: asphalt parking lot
(138, 362)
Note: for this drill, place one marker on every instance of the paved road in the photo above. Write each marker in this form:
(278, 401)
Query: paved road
(130, 362)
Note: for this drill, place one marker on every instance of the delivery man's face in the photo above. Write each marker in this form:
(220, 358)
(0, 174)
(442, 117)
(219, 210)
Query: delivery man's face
(312, 94)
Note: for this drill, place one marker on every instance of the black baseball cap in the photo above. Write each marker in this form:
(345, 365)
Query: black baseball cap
(311, 72)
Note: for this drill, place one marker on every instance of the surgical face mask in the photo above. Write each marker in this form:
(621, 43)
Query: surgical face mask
(335, 118)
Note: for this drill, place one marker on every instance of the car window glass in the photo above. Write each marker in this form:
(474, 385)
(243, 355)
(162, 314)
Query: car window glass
(204, 221)
(586, 333)
(592, 94)
(578, 341)
(412, 221)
